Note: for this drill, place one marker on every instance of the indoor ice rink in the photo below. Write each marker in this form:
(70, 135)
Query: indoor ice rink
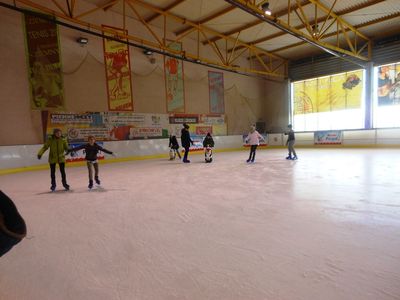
(310, 88)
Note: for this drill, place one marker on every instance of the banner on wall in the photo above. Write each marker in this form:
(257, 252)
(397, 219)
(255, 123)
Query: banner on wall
(118, 73)
(388, 85)
(44, 64)
(174, 85)
(330, 93)
(109, 126)
(328, 137)
(216, 91)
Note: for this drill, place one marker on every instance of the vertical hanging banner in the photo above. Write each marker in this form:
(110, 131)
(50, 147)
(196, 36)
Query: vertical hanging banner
(118, 73)
(44, 64)
(174, 84)
(216, 90)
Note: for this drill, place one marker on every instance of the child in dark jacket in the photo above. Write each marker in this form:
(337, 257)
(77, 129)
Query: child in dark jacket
(173, 144)
(208, 143)
(91, 150)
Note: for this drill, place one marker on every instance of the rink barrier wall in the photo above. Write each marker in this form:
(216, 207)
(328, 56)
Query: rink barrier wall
(22, 158)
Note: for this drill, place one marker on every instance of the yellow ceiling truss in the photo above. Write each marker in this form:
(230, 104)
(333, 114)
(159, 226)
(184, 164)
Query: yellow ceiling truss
(265, 63)
(314, 30)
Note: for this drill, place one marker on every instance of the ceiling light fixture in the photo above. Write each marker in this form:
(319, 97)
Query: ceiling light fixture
(265, 8)
(314, 31)
(147, 52)
(82, 40)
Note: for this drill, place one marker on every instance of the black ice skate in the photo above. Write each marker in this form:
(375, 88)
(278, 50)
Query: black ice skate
(66, 186)
(53, 187)
(96, 178)
(90, 184)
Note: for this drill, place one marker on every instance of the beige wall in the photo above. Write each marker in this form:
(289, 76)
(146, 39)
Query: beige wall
(247, 99)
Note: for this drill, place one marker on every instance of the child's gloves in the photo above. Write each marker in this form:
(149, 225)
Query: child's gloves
(39, 156)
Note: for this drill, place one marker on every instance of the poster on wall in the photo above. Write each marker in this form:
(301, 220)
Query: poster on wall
(118, 73)
(388, 85)
(330, 93)
(108, 126)
(216, 91)
(174, 85)
(44, 64)
(328, 137)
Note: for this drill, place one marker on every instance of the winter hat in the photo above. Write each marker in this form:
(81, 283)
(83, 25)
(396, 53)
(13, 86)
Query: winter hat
(55, 130)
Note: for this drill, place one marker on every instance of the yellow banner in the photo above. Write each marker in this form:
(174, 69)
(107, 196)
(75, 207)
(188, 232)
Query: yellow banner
(118, 73)
(331, 93)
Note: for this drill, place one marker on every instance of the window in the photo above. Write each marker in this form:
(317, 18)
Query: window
(330, 102)
(387, 96)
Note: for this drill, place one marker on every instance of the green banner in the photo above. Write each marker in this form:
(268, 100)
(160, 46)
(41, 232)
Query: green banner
(44, 64)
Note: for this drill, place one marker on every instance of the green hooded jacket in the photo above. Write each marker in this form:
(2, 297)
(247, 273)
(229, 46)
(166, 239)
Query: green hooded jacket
(57, 147)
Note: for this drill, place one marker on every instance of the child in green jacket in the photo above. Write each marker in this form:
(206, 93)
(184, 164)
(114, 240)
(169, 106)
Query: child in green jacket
(58, 145)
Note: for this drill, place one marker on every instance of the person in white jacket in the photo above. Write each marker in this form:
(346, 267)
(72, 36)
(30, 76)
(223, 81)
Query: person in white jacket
(253, 139)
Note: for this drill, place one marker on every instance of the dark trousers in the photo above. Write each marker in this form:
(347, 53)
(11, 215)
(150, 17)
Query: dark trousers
(186, 153)
(177, 152)
(252, 155)
(53, 173)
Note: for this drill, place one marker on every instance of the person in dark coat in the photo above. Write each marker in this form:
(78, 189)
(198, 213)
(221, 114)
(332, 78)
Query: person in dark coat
(91, 150)
(208, 143)
(186, 141)
(173, 144)
(290, 143)
(12, 225)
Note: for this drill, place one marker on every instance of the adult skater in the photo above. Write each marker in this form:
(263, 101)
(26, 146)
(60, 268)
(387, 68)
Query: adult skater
(290, 143)
(91, 150)
(253, 139)
(173, 144)
(12, 225)
(186, 141)
(57, 144)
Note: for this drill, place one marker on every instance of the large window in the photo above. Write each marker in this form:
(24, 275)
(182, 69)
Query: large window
(387, 96)
(330, 102)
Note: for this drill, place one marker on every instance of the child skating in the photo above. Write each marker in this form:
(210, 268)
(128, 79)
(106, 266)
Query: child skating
(208, 144)
(290, 143)
(91, 150)
(58, 145)
(253, 139)
(174, 147)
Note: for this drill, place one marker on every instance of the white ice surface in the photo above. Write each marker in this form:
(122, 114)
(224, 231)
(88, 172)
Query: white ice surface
(325, 227)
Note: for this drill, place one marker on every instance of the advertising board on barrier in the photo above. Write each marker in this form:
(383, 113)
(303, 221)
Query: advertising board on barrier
(328, 137)
(119, 126)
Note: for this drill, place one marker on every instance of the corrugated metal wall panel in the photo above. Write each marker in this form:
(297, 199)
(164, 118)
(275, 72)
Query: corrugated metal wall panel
(385, 54)
(311, 68)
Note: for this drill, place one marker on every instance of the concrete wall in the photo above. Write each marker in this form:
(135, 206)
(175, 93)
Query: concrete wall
(247, 99)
